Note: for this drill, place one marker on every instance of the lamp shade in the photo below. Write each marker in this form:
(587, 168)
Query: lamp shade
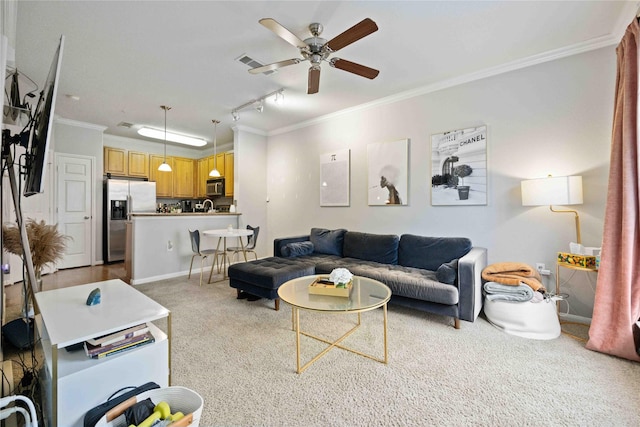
(562, 190)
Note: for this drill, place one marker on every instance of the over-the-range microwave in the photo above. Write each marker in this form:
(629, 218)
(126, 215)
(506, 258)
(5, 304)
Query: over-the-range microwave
(215, 187)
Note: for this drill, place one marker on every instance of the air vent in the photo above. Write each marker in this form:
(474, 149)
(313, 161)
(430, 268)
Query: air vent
(252, 63)
(125, 125)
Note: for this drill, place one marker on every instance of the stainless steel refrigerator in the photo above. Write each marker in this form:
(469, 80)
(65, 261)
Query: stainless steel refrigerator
(123, 197)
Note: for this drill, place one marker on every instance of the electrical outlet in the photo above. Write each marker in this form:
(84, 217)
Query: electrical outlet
(540, 266)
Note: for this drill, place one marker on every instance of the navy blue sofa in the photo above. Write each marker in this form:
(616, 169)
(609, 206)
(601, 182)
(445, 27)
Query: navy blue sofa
(440, 275)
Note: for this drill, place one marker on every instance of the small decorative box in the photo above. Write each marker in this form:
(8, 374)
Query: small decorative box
(584, 261)
(323, 286)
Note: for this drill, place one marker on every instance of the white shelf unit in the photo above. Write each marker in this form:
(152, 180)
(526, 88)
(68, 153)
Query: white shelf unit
(73, 383)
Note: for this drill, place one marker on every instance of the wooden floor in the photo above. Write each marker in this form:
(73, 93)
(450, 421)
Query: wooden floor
(66, 278)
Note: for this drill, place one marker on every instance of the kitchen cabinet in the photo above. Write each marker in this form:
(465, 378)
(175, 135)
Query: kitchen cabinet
(220, 164)
(183, 177)
(73, 383)
(115, 161)
(163, 180)
(228, 175)
(205, 165)
(138, 164)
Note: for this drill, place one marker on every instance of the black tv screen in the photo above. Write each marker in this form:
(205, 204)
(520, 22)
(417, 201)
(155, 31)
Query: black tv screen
(41, 128)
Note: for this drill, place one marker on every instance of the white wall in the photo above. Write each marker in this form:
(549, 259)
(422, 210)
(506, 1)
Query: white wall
(84, 139)
(553, 118)
(250, 183)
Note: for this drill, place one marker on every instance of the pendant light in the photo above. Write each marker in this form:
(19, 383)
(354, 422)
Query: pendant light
(164, 167)
(214, 172)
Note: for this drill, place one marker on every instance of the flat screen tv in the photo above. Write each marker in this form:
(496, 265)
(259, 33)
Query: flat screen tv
(41, 128)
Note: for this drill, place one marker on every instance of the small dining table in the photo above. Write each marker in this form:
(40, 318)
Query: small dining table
(222, 234)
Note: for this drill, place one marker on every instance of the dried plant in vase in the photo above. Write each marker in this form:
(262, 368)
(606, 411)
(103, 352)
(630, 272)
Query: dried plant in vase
(47, 245)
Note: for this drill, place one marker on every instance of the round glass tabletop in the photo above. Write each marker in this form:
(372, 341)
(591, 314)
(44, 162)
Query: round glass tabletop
(366, 294)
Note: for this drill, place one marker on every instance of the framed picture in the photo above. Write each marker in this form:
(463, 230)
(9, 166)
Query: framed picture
(459, 167)
(334, 178)
(388, 173)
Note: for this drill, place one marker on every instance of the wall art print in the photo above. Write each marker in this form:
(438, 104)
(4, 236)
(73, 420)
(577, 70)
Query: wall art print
(334, 178)
(459, 167)
(388, 173)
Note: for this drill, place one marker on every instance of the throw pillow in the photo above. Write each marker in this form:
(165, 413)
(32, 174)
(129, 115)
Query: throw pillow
(327, 241)
(292, 250)
(448, 272)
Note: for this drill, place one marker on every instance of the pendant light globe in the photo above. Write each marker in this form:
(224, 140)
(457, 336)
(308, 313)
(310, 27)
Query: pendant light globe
(164, 167)
(214, 172)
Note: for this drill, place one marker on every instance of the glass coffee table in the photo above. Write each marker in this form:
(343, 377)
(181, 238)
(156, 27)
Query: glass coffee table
(367, 294)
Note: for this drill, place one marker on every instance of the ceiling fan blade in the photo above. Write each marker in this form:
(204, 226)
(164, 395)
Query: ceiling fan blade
(282, 32)
(314, 79)
(354, 68)
(353, 34)
(275, 66)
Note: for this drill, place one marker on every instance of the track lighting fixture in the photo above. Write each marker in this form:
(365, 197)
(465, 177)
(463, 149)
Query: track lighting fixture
(258, 104)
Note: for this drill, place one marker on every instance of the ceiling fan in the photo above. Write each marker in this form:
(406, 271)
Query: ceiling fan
(316, 49)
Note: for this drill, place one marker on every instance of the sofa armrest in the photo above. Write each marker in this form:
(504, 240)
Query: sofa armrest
(280, 242)
(470, 269)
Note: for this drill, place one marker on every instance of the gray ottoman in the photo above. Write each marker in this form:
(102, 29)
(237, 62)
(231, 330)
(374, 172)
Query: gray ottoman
(264, 276)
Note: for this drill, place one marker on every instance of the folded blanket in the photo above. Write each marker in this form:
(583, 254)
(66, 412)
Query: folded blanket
(513, 273)
(499, 292)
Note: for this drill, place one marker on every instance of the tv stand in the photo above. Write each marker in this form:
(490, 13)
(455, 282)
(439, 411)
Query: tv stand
(73, 383)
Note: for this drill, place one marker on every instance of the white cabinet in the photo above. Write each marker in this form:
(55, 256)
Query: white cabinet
(73, 383)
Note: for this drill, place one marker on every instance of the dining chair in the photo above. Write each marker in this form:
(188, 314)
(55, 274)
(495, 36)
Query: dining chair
(250, 246)
(203, 254)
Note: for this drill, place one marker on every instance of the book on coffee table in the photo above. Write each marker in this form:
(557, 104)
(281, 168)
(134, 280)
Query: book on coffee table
(323, 286)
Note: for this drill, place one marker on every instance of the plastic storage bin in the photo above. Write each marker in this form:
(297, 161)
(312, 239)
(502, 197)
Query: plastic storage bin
(535, 320)
(179, 399)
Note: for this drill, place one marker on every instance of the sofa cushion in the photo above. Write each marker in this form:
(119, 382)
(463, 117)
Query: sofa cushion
(448, 272)
(382, 248)
(430, 252)
(407, 282)
(328, 242)
(292, 250)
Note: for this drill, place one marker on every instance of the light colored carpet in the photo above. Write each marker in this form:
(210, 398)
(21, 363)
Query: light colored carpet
(240, 356)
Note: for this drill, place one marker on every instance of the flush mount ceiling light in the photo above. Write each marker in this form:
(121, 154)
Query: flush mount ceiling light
(170, 136)
(164, 167)
(277, 96)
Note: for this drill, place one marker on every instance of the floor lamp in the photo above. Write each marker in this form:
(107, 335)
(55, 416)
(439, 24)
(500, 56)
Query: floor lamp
(562, 190)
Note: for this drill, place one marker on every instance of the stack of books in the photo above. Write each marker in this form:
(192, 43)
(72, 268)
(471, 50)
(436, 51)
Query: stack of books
(117, 342)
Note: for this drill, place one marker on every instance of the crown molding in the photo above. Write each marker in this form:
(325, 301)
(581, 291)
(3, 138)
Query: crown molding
(552, 55)
(69, 122)
(249, 129)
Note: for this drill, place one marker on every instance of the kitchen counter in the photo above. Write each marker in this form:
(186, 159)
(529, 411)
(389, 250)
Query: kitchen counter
(186, 214)
(159, 244)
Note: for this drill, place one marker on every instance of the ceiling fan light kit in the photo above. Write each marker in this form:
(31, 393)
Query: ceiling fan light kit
(316, 49)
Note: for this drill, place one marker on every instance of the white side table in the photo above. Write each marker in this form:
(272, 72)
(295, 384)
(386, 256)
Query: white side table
(74, 383)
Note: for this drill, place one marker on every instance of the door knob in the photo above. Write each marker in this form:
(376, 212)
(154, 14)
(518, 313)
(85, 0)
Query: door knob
(87, 217)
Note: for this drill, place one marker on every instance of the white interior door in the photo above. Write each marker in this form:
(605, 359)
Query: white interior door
(75, 208)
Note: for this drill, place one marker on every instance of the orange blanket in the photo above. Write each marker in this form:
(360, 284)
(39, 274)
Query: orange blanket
(513, 273)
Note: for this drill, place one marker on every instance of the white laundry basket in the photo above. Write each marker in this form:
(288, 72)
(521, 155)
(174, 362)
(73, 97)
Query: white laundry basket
(180, 399)
(534, 320)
